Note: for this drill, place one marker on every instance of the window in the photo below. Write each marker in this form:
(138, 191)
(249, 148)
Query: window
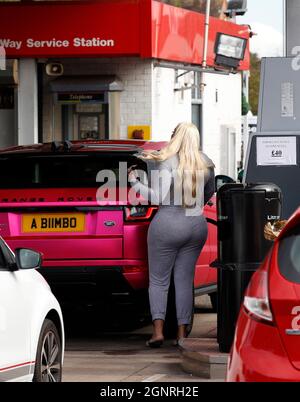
(289, 256)
(63, 170)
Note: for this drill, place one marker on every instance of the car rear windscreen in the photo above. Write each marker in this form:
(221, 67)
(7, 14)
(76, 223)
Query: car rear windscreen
(289, 256)
(63, 170)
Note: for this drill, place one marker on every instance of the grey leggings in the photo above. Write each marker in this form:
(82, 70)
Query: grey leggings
(174, 243)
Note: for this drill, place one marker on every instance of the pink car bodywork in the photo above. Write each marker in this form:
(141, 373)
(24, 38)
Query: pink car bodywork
(110, 250)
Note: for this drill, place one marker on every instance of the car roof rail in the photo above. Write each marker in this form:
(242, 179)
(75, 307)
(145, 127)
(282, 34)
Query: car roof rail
(113, 146)
(55, 146)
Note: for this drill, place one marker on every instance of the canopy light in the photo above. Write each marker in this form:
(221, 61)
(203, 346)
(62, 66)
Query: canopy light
(236, 7)
(230, 50)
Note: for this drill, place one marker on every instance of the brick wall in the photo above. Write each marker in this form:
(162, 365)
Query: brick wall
(135, 100)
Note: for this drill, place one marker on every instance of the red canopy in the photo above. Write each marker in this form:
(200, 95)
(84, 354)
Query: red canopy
(143, 28)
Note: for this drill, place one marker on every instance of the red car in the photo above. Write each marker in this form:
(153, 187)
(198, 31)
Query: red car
(94, 252)
(266, 346)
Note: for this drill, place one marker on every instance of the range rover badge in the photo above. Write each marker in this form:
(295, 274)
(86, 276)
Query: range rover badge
(110, 223)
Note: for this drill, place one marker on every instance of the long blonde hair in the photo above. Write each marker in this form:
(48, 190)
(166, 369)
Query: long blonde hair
(185, 143)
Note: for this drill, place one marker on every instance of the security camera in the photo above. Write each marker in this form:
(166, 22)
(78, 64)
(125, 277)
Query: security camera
(54, 69)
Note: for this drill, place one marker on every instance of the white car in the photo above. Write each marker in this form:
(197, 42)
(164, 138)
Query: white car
(31, 323)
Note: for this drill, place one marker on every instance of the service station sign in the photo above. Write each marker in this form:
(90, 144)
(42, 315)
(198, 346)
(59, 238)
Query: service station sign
(69, 30)
(56, 43)
(124, 28)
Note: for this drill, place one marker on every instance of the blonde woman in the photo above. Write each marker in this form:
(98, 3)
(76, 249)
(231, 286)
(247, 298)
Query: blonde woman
(183, 184)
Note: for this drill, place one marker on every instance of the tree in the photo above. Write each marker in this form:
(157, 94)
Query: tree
(215, 8)
(200, 5)
(254, 82)
(245, 106)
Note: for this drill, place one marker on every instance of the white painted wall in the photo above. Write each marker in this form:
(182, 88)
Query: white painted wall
(169, 107)
(219, 114)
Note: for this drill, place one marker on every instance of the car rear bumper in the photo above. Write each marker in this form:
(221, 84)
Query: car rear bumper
(258, 354)
(91, 284)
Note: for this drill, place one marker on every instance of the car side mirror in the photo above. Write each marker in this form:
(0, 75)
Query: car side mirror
(28, 259)
(220, 180)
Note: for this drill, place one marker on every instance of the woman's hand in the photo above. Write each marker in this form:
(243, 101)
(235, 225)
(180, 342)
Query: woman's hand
(132, 174)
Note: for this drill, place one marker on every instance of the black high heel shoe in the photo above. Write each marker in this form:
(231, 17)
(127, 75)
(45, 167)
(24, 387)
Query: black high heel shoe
(155, 344)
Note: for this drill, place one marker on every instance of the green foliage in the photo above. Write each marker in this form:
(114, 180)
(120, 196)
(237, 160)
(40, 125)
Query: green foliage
(198, 5)
(245, 105)
(254, 82)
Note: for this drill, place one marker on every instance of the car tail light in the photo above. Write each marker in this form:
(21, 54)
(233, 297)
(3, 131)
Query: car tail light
(139, 213)
(256, 300)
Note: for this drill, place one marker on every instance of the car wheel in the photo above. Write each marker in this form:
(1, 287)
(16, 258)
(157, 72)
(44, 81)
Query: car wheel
(214, 301)
(48, 366)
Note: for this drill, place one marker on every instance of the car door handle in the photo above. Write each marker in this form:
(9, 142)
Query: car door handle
(212, 221)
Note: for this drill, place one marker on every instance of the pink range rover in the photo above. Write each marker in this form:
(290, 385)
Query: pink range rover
(93, 253)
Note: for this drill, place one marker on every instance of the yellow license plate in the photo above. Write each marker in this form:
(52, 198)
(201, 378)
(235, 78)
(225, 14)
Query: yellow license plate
(62, 222)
